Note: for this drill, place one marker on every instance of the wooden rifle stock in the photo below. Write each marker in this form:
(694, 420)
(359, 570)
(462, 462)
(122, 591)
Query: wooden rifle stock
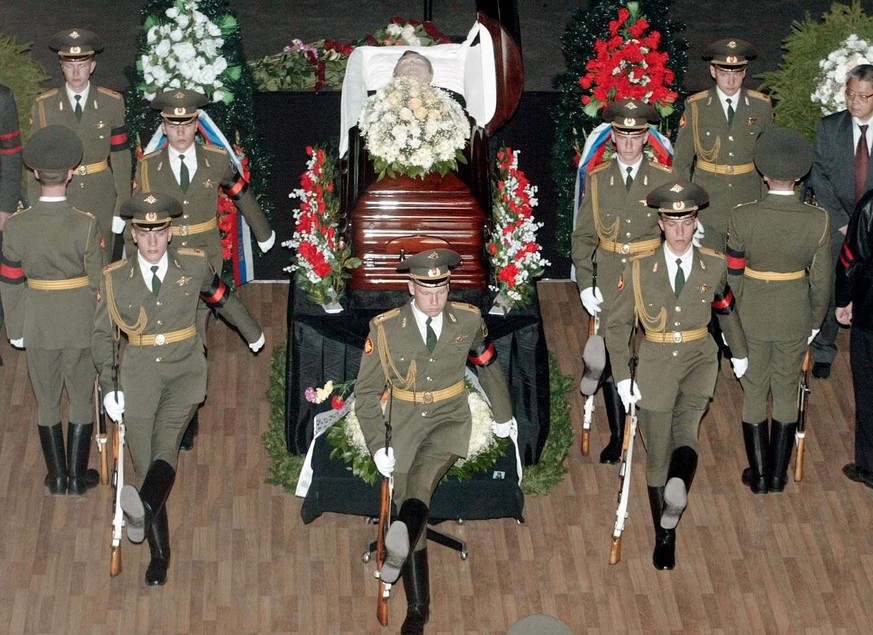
(117, 480)
(100, 417)
(802, 398)
(384, 511)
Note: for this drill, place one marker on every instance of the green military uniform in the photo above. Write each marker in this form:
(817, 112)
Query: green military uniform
(102, 181)
(717, 155)
(678, 363)
(780, 268)
(163, 371)
(49, 277)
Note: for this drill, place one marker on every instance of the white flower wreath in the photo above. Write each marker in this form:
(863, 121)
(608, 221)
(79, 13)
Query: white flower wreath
(831, 80)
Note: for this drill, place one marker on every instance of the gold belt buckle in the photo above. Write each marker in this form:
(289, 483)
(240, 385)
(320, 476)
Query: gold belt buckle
(160, 340)
(729, 169)
(183, 230)
(427, 396)
(677, 337)
(624, 249)
(82, 170)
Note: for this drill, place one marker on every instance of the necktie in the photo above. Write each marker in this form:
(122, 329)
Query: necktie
(862, 158)
(156, 282)
(730, 111)
(184, 175)
(430, 334)
(630, 179)
(679, 280)
(78, 108)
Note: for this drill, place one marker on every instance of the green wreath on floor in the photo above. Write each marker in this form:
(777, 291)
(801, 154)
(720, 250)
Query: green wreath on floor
(538, 479)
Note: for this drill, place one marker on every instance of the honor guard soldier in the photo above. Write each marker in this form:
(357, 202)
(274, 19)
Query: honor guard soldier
(102, 181)
(717, 135)
(614, 223)
(10, 164)
(416, 356)
(49, 279)
(152, 298)
(672, 291)
(779, 266)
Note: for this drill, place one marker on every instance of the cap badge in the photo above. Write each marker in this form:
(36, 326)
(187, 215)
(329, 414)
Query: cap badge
(732, 44)
(179, 110)
(677, 188)
(631, 105)
(433, 255)
(75, 35)
(679, 205)
(433, 272)
(629, 121)
(179, 94)
(150, 199)
(75, 50)
(151, 216)
(731, 59)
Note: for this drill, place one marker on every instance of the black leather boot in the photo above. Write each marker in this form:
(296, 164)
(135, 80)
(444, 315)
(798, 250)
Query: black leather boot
(757, 450)
(78, 451)
(159, 548)
(142, 507)
(191, 431)
(51, 438)
(401, 537)
(615, 417)
(664, 555)
(416, 583)
(683, 465)
(781, 445)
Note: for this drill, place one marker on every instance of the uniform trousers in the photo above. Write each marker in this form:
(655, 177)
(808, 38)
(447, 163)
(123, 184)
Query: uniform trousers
(861, 354)
(824, 346)
(774, 369)
(50, 372)
(157, 437)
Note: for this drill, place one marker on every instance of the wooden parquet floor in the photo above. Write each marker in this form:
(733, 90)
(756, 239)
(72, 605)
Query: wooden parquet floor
(243, 561)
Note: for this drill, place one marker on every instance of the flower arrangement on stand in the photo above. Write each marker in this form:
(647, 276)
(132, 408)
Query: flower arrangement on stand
(830, 89)
(321, 257)
(401, 32)
(412, 128)
(515, 256)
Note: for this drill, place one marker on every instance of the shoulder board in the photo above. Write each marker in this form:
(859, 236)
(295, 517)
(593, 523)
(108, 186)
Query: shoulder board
(190, 251)
(745, 204)
(643, 254)
(108, 91)
(154, 153)
(465, 307)
(600, 167)
(660, 166)
(386, 316)
(118, 264)
(88, 214)
(711, 252)
(47, 94)
(212, 148)
(697, 96)
(19, 212)
(816, 207)
(758, 95)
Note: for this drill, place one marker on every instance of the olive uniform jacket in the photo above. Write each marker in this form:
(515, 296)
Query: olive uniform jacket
(647, 295)
(200, 202)
(718, 157)
(446, 423)
(771, 240)
(97, 187)
(165, 362)
(610, 214)
(50, 275)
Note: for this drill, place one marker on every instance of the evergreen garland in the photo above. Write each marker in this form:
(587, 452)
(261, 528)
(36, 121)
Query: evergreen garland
(24, 75)
(572, 125)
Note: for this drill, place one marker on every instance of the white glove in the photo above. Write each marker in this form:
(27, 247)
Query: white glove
(113, 404)
(118, 225)
(740, 365)
(697, 238)
(256, 346)
(19, 343)
(812, 336)
(591, 299)
(384, 461)
(627, 395)
(267, 244)
(502, 430)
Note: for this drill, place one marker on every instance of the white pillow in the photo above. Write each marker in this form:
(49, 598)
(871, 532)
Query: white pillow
(447, 61)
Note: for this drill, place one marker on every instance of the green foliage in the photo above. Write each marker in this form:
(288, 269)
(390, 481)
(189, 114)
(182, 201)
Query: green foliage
(811, 41)
(285, 467)
(572, 124)
(23, 74)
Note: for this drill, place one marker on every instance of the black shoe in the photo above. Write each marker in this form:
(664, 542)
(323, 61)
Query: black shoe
(758, 485)
(821, 370)
(51, 439)
(81, 479)
(664, 556)
(159, 550)
(615, 418)
(855, 472)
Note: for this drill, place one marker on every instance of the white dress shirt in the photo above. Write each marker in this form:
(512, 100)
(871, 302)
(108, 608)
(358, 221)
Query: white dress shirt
(421, 317)
(672, 267)
(176, 163)
(145, 269)
(71, 96)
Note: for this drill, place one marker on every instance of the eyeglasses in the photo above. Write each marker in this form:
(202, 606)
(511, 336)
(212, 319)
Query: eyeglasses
(851, 94)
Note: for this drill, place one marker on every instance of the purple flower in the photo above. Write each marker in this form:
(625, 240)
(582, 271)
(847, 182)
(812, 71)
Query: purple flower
(309, 393)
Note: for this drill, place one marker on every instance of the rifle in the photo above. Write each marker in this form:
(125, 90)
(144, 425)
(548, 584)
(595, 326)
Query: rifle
(384, 521)
(594, 361)
(101, 437)
(117, 479)
(624, 472)
(802, 398)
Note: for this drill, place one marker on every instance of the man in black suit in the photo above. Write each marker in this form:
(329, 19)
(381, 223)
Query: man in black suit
(838, 186)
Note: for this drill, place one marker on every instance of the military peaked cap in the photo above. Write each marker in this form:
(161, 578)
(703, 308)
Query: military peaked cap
(54, 147)
(678, 200)
(151, 209)
(179, 105)
(783, 153)
(730, 53)
(75, 44)
(630, 114)
(431, 268)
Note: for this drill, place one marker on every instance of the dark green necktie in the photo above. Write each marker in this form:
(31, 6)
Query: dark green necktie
(679, 281)
(430, 334)
(156, 282)
(630, 179)
(730, 111)
(78, 108)
(184, 175)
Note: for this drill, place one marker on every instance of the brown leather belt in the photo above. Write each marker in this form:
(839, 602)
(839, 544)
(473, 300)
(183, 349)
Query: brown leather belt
(163, 338)
(58, 285)
(718, 168)
(677, 337)
(427, 396)
(630, 248)
(199, 228)
(92, 168)
(774, 276)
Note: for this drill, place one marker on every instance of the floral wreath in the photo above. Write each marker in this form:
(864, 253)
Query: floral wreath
(830, 90)
(515, 256)
(322, 258)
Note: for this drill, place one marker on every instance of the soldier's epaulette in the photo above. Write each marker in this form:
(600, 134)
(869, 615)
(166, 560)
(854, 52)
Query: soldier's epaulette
(109, 92)
(47, 94)
(465, 307)
(757, 95)
(697, 96)
(150, 154)
(212, 148)
(19, 212)
(643, 254)
(745, 204)
(88, 214)
(709, 251)
(600, 167)
(660, 166)
(386, 316)
(190, 251)
(112, 266)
